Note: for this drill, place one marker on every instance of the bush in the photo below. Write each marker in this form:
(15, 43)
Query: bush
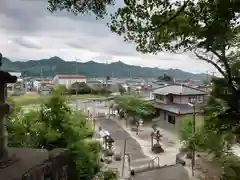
(62, 89)
(56, 125)
(80, 88)
(94, 146)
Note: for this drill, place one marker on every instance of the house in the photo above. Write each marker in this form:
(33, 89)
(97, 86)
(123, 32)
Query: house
(68, 79)
(173, 104)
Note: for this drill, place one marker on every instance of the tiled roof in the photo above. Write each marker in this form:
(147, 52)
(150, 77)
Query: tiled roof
(176, 108)
(70, 76)
(178, 90)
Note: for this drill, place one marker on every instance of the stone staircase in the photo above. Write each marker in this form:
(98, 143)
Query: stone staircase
(145, 165)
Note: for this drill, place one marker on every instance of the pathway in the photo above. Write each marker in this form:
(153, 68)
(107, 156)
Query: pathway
(119, 135)
(169, 145)
(169, 142)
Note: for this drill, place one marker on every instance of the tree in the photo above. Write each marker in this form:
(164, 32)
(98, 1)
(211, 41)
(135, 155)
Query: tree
(134, 107)
(209, 29)
(81, 88)
(61, 88)
(166, 78)
(121, 89)
(55, 125)
(99, 8)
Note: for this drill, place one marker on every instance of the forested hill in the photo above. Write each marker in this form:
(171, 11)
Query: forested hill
(56, 65)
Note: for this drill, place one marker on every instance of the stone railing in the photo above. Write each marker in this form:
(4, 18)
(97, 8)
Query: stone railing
(59, 166)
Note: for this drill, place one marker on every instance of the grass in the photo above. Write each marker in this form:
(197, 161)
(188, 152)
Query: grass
(35, 99)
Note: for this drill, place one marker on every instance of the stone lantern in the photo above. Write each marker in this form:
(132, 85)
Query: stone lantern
(5, 78)
(157, 148)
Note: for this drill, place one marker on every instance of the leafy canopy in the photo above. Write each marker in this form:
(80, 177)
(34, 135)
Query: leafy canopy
(99, 8)
(210, 29)
(134, 106)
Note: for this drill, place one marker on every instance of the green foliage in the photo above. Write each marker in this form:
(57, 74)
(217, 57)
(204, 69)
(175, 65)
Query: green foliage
(187, 136)
(62, 89)
(207, 138)
(121, 89)
(107, 175)
(81, 88)
(99, 8)
(165, 78)
(208, 29)
(231, 166)
(134, 106)
(56, 125)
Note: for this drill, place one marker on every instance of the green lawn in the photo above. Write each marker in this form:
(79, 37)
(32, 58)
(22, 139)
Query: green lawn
(34, 98)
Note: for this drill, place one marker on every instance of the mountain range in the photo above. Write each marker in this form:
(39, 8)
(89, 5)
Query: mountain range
(55, 65)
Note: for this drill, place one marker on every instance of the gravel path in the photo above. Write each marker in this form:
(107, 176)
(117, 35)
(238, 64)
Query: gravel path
(119, 134)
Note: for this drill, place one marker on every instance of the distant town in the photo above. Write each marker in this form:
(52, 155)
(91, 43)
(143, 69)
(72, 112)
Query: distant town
(44, 85)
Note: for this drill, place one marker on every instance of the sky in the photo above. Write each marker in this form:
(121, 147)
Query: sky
(29, 32)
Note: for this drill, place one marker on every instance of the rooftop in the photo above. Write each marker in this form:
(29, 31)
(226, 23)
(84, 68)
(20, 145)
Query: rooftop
(176, 108)
(178, 89)
(70, 76)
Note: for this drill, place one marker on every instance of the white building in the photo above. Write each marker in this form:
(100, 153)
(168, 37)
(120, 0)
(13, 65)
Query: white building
(68, 80)
(18, 74)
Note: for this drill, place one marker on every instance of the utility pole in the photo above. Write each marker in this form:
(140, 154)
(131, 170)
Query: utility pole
(207, 77)
(124, 153)
(213, 74)
(25, 82)
(194, 132)
(41, 74)
(76, 83)
(76, 75)
(107, 78)
(193, 148)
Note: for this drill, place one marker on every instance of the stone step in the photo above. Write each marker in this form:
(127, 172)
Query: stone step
(139, 162)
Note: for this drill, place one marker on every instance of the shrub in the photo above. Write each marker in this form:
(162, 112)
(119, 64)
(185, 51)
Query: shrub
(56, 125)
(81, 88)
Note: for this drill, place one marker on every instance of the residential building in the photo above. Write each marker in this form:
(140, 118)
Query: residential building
(172, 103)
(67, 79)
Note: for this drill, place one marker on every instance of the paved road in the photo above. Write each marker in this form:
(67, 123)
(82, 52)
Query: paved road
(119, 134)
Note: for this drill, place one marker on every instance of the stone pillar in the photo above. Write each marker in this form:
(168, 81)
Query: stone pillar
(4, 110)
(5, 158)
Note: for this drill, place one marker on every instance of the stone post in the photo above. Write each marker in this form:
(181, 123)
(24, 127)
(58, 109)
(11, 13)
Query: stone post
(5, 78)
(4, 110)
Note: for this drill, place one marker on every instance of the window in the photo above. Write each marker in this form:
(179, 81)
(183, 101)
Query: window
(165, 114)
(171, 119)
(200, 98)
(170, 98)
(192, 99)
(160, 97)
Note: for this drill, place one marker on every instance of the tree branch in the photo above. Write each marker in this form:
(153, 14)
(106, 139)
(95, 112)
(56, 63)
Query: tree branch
(211, 62)
(228, 73)
(216, 54)
(181, 9)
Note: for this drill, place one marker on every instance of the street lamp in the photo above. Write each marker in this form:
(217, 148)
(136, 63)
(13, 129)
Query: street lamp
(193, 105)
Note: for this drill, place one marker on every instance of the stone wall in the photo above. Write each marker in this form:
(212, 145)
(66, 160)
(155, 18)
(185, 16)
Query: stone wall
(39, 164)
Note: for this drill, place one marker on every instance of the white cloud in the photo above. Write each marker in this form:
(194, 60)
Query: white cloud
(29, 31)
